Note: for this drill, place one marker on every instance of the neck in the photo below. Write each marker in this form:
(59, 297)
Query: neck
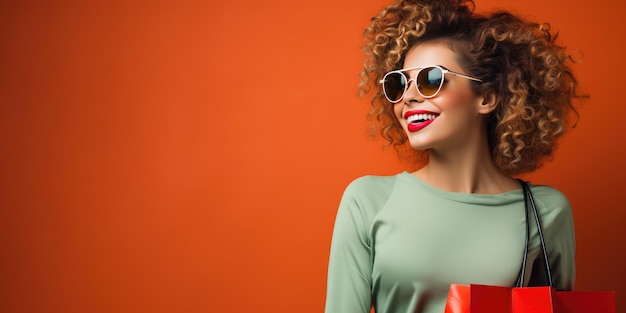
(466, 168)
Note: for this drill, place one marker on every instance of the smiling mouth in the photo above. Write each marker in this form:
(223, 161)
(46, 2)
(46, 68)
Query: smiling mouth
(420, 118)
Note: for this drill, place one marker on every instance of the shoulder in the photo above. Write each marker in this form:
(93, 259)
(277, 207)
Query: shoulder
(369, 184)
(553, 206)
(368, 194)
(549, 197)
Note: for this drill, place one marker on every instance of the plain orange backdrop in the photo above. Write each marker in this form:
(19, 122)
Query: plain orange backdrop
(189, 156)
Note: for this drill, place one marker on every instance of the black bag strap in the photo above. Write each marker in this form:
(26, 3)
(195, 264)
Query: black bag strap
(529, 204)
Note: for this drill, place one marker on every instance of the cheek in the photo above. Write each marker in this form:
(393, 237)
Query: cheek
(460, 100)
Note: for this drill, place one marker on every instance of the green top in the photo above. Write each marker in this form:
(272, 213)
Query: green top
(398, 243)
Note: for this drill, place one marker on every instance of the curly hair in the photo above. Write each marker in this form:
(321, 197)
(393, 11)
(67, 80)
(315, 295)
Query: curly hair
(518, 60)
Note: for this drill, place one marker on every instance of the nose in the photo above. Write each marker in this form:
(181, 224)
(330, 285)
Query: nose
(411, 94)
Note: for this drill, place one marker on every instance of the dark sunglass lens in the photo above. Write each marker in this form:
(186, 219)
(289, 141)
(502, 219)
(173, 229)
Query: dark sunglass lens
(394, 86)
(429, 81)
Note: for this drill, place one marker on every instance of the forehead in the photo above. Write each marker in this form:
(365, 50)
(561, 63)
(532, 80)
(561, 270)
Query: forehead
(431, 53)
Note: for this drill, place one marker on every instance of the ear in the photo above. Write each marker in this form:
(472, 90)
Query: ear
(488, 102)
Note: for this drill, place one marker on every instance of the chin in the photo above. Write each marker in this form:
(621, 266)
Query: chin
(421, 146)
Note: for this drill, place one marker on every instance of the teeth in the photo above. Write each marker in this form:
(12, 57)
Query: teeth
(420, 117)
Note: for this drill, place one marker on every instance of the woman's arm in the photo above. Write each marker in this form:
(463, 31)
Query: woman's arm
(350, 265)
(558, 227)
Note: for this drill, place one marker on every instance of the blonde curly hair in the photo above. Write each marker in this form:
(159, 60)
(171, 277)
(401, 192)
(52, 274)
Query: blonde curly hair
(518, 60)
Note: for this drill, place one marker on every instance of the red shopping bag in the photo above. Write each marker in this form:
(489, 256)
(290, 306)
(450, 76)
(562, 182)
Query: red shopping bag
(545, 299)
(540, 299)
(458, 299)
(478, 299)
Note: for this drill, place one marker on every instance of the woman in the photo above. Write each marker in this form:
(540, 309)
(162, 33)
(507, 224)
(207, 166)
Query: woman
(483, 98)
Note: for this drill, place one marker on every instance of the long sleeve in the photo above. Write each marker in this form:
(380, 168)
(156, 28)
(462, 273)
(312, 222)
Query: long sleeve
(349, 288)
(349, 270)
(558, 227)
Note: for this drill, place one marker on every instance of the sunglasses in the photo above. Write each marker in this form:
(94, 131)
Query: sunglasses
(428, 81)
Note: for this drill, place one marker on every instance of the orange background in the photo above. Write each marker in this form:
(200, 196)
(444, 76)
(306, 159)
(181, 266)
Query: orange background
(189, 156)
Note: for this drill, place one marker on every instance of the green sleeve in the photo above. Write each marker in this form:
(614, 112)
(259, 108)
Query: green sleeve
(350, 264)
(558, 227)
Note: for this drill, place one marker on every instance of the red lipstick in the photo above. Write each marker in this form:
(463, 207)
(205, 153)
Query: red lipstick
(418, 119)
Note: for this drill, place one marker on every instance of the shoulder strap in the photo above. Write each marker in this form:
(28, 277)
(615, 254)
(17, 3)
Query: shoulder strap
(529, 204)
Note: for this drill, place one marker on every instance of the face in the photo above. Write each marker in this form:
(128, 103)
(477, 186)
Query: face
(453, 117)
